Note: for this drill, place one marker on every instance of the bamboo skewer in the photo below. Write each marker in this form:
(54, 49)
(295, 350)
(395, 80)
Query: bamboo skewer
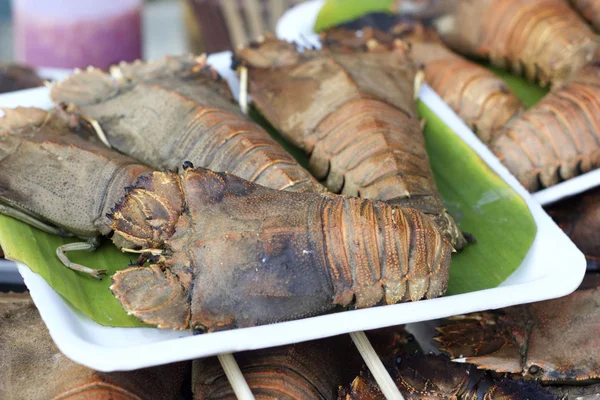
(383, 378)
(235, 377)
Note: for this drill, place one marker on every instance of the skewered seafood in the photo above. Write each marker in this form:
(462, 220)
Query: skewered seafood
(476, 94)
(424, 377)
(307, 253)
(544, 40)
(34, 369)
(303, 371)
(557, 138)
(179, 109)
(354, 114)
(548, 340)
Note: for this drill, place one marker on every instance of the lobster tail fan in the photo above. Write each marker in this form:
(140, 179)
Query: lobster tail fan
(154, 294)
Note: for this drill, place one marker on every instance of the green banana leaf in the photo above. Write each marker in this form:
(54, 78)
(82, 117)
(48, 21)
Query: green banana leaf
(335, 12)
(529, 93)
(484, 206)
(481, 202)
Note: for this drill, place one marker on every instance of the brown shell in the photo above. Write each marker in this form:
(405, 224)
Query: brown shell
(355, 115)
(55, 175)
(543, 40)
(579, 217)
(304, 252)
(179, 109)
(303, 371)
(18, 77)
(34, 369)
(429, 377)
(568, 392)
(549, 340)
(481, 98)
(590, 10)
(558, 138)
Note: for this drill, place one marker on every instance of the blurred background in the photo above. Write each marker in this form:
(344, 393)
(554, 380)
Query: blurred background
(77, 33)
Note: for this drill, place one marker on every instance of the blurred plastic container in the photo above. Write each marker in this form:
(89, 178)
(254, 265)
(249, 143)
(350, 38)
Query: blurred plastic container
(76, 33)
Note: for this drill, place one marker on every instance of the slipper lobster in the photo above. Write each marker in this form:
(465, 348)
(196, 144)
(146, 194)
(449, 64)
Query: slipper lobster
(305, 252)
(481, 98)
(355, 115)
(543, 40)
(558, 138)
(308, 371)
(178, 109)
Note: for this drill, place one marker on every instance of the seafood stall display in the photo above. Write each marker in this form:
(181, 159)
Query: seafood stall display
(196, 230)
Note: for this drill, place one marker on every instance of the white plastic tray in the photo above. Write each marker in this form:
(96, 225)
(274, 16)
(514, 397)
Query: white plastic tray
(297, 25)
(552, 268)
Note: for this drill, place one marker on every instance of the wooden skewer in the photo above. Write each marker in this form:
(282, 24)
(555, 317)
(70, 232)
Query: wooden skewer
(235, 377)
(244, 89)
(383, 378)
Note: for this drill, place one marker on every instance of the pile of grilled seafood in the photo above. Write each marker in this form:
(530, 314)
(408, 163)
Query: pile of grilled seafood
(139, 155)
(545, 41)
(537, 351)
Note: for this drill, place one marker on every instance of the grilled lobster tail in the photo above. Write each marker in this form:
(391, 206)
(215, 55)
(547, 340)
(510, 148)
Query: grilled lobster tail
(308, 371)
(544, 40)
(558, 138)
(354, 114)
(179, 109)
(305, 252)
(476, 94)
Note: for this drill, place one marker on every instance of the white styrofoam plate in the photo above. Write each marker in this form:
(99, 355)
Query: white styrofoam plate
(552, 268)
(297, 25)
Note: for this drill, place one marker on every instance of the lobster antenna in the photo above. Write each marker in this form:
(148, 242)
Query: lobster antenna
(383, 378)
(235, 377)
(98, 129)
(244, 89)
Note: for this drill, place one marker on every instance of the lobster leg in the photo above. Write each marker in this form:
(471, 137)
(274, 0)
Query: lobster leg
(28, 219)
(90, 245)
